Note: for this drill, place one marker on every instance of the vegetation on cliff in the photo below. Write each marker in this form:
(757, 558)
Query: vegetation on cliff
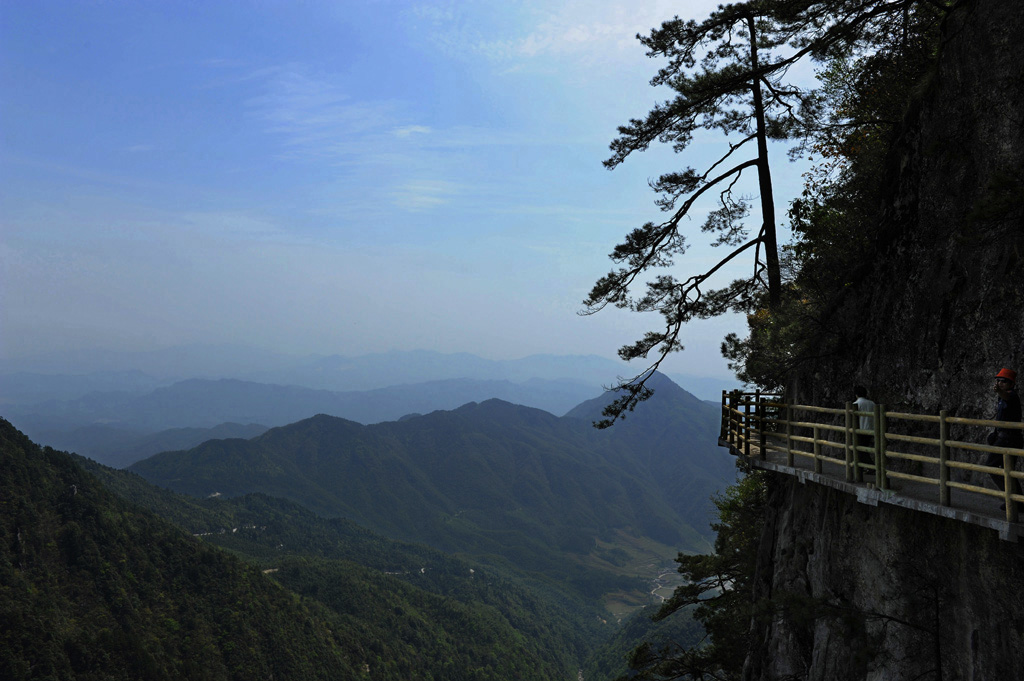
(874, 58)
(730, 73)
(866, 89)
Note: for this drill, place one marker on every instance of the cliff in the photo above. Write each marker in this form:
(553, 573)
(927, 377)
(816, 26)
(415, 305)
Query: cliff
(881, 592)
(943, 308)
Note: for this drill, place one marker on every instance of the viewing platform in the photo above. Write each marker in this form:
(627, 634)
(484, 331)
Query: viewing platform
(933, 471)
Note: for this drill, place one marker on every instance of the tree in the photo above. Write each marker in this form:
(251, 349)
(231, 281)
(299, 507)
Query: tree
(728, 73)
(864, 93)
(717, 590)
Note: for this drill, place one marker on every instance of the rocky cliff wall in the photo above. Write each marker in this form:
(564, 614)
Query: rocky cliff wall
(882, 592)
(886, 593)
(943, 308)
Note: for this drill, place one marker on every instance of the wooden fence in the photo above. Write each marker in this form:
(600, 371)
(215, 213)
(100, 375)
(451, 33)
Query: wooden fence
(827, 435)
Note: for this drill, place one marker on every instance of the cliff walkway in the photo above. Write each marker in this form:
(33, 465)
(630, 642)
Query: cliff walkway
(933, 464)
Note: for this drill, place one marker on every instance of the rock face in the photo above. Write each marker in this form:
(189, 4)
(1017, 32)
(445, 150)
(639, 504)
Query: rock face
(886, 593)
(943, 309)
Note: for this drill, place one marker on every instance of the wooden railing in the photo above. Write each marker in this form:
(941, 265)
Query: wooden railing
(826, 435)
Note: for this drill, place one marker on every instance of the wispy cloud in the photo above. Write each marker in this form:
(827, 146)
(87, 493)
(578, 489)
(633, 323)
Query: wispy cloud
(419, 195)
(592, 31)
(315, 117)
(408, 130)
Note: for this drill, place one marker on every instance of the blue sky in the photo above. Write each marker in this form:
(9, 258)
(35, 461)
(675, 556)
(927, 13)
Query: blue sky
(327, 177)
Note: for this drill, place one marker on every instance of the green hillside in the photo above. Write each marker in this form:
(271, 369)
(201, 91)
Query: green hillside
(494, 480)
(672, 438)
(95, 587)
(322, 556)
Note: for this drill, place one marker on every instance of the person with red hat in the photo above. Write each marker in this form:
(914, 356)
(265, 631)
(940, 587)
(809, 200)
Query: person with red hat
(1007, 409)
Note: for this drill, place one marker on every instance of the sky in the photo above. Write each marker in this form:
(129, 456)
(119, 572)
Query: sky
(330, 177)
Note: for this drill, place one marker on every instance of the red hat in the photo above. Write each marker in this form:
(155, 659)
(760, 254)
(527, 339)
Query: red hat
(1007, 373)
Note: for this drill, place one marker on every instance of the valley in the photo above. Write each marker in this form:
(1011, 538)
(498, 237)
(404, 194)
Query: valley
(492, 517)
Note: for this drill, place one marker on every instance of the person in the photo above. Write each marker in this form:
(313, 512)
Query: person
(1007, 409)
(862, 403)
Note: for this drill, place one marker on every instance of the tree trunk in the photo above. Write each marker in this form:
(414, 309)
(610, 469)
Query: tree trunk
(764, 180)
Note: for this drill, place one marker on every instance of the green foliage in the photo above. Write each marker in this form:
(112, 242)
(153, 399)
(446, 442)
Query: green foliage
(723, 76)
(113, 592)
(382, 589)
(93, 588)
(718, 593)
(512, 484)
(729, 73)
(868, 82)
(611, 660)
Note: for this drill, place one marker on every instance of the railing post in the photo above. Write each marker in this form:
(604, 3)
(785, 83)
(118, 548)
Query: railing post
(762, 441)
(732, 435)
(850, 454)
(746, 427)
(1008, 485)
(876, 422)
(788, 434)
(943, 457)
(881, 428)
(858, 469)
(723, 432)
(817, 450)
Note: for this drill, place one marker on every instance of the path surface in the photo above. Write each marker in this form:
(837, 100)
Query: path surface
(972, 508)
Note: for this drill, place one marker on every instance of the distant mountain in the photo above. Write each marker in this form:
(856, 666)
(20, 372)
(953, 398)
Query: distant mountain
(103, 424)
(168, 364)
(119, 447)
(706, 388)
(487, 478)
(71, 374)
(32, 388)
(367, 372)
(673, 436)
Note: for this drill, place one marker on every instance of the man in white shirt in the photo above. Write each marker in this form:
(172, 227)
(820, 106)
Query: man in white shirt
(862, 403)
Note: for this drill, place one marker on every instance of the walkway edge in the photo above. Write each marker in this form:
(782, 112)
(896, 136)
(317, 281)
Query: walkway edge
(873, 497)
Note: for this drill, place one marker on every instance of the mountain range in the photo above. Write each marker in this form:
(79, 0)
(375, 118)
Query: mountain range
(488, 537)
(118, 417)
(95, 586)
(489, 478)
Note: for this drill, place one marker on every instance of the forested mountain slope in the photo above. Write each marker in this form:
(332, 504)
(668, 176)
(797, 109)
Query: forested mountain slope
(92, 588)
(460, 612)
(95, 587)
(487, 479)
(672, 437)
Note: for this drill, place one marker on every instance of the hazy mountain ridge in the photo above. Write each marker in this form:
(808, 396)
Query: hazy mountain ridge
(124, 421)
(488, 477)
(113, 413)
(119, 447)
(66, 376)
